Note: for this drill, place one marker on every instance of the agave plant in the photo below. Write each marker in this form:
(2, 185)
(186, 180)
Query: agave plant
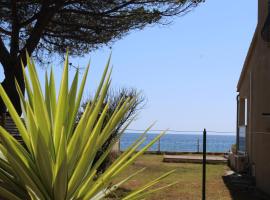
(56, 160)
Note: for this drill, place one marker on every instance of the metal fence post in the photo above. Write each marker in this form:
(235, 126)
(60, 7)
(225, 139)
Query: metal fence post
(119, 144)
(159, 145)
(204, 165)
(198, 145)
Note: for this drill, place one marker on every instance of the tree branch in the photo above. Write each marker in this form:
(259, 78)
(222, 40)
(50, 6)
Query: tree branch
(44, 16)
(119, 7)
(14, 41)
(85, 12)
(4, 55)
(5, 31)
(30, 20)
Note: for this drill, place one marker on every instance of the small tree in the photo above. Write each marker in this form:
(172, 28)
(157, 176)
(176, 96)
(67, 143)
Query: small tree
(113, 98)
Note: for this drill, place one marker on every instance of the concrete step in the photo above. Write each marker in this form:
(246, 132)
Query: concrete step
(194, 159)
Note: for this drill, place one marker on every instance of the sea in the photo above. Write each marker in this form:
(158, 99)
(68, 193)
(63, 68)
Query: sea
(183, 142)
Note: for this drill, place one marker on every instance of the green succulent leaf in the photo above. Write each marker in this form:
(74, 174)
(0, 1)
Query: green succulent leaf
(57, 158)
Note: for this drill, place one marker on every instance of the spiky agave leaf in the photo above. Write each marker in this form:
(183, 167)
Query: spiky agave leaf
(57, 161)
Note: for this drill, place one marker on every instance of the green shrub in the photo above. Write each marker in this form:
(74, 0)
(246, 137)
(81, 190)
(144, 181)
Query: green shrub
(113, 99)
(57, 162)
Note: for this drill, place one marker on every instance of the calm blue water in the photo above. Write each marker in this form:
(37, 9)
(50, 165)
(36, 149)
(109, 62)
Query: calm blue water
(182, 142)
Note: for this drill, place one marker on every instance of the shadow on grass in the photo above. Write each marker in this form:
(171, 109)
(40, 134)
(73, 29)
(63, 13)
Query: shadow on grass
(118, 194)
(243, 188)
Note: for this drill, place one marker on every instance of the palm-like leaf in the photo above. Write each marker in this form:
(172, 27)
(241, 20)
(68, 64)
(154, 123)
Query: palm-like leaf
(57, 162)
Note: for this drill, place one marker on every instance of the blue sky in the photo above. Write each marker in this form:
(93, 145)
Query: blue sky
(188, 70)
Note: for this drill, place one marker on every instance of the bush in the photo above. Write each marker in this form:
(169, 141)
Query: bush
(115, 98)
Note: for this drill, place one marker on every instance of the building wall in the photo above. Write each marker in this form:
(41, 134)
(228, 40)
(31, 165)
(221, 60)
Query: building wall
(260, 124)
(244, 93)
(256, 86)
(262, 11)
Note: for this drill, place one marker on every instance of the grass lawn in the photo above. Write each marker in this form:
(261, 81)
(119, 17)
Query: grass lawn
(188, 175)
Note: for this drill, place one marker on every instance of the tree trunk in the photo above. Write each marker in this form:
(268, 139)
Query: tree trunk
(11, 73)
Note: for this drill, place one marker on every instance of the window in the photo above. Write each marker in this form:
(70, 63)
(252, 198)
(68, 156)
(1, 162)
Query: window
(242, 139)
(246, 113)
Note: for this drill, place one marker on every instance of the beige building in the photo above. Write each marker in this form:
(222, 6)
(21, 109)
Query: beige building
(253, 107)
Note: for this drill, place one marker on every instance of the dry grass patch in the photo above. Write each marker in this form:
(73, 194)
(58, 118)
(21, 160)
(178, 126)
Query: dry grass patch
(188, 176)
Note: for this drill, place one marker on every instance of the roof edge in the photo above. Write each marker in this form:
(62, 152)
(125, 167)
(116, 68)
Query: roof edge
(248, 57)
